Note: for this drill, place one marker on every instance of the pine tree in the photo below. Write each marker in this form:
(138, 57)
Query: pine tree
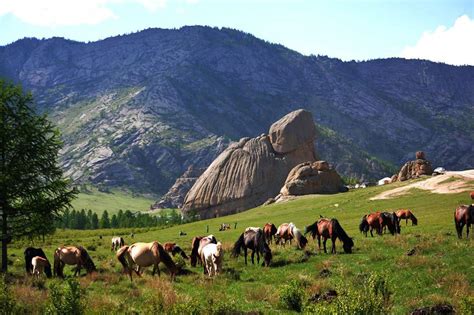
(95, 221)
(104, 220)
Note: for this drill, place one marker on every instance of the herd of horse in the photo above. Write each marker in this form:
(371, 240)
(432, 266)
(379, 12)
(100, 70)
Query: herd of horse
(208, 251)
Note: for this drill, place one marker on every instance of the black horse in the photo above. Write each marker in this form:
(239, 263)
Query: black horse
(254, 240)
(394, 221)
(31, 252)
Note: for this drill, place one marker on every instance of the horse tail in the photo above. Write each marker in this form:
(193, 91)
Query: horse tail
(364, 225)
(167, 260)
(238, 245)
(313, 228)
(414, 220)
(121, 256)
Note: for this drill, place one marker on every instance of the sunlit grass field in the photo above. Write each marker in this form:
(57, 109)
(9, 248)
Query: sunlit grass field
(440, 271)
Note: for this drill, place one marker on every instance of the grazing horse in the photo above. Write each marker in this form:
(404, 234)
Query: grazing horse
(330, 228)
(71, 255)
(144, 255)
(472, 195)
(463, 216)
(117, 242)
(29, 254)
(406, 214)
(390, 219)
(212, 256)
(376, 221)
(268, 231)
(39, 265)
(175, 249)
(253, 239)
(288, 231)
(195, 254)
(224, 227)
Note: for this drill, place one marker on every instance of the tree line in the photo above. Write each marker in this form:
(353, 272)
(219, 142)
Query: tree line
(88, 220)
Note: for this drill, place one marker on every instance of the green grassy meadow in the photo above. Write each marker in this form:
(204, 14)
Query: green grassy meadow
(441, 271)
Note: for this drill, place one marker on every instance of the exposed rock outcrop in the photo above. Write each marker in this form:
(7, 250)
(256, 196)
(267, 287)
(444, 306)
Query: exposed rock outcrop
(312, 178)
(174, 198)
(414, 169)
(250, 171)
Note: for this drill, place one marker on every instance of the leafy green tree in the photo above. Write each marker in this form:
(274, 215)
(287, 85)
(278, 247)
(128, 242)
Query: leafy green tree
(104, 220)
(32, 188)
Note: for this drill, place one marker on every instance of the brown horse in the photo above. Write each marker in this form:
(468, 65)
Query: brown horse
(268, 231)
(144, 255)
(463, 216)
(376, 221)
(406, 214)
(71, 255)
(330, 228)
(174, 249)
(195, 253)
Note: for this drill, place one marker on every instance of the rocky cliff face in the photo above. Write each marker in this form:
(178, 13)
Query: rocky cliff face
(249, 172)
(137, 110)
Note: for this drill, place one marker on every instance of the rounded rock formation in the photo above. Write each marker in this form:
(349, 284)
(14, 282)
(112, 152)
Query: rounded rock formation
(250, 171)
(416, 168)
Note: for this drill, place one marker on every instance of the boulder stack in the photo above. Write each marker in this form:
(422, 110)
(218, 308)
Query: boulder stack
(414, 169)
(251, 171)
(312, 178)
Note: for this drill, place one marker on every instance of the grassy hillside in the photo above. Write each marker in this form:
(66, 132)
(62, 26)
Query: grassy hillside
(111, 201)
(440, 270)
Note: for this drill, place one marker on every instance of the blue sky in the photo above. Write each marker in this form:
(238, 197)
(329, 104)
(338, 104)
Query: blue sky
(440, 30)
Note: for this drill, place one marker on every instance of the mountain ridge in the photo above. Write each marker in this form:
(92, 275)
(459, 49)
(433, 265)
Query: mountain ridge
(137, 110)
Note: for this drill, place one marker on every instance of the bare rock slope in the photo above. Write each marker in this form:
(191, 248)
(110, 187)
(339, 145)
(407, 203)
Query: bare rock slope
(252, 170)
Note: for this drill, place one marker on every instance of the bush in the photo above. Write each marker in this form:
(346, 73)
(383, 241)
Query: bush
(366, 297)
(65, 299)
(188, 307)
(7, 303)
(292, 296)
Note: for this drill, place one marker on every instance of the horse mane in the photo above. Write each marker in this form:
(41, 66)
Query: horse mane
(313, 228)
(88, 263)
(414, 219)
(274, 229)
(238, 245)
(194, 250)
(57, 265)
(178, 250)
(167, 260)
(340, 231)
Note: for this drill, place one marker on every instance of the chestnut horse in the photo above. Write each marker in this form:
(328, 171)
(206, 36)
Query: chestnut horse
(463, 216)
(253, 239)
(72, 255)
(330, 228)
(174, 249)
(195, 253)
(144, 255)
(406, 214)
(376, 221)
(268, 231)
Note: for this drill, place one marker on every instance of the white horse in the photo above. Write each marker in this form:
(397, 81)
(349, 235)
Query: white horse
(301, 240)
(39, 264)
(212, 256)
(117, 242)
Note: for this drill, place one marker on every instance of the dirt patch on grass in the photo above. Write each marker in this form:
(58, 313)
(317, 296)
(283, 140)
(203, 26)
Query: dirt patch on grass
(449, 183)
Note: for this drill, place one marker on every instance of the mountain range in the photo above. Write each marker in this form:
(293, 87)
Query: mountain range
(137, 110)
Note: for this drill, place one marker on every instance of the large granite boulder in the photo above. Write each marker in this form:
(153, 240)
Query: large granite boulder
(312, 178)
(414, 169)
(250, 171)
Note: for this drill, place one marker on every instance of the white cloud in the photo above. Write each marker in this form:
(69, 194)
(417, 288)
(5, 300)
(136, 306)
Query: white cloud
(69, 12)
(453, 45)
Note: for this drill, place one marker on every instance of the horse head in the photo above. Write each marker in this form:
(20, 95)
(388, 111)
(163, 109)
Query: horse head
(267, 255)
(347, 245)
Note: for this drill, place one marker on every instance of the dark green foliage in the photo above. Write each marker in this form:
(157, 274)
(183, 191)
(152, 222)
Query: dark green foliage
(7, 301)
(292, 296)
(32, 190)
(65, 298)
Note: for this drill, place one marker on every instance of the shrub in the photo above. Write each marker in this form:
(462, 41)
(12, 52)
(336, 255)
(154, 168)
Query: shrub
(365, 297)
(292, 296)
(7, 303)
(65, 299)
(187, 307)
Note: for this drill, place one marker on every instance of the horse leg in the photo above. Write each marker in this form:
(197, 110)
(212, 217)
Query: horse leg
(253, 255)
(245, 255)
(157, 269)
(324, 243)
(333, 249)
(371, 233)
(467, 230)
(319, 242)
(406, 222)
(258, 258)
